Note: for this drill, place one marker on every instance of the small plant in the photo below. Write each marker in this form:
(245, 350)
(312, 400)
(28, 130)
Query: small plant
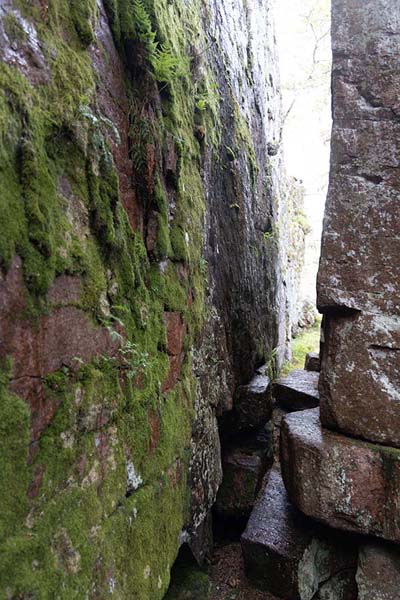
(165, 65)
(271, 363)
(133, 360)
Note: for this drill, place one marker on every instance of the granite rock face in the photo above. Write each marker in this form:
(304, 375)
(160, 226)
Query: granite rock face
(359, 269)
(286, 554)
(347, 484)
(141, 278)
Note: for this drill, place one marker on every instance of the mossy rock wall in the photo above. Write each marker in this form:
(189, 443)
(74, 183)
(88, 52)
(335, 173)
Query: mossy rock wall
(135, 192)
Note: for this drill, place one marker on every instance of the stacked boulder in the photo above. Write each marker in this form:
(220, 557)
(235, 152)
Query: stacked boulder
(340, 462)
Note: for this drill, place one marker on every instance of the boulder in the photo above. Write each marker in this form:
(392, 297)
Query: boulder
(297, 391)
(378, 572)
(312, 362)
(288, 555)
(342, 482)
(252, 407)
(253, 404)
(360, 378)
(244, 467)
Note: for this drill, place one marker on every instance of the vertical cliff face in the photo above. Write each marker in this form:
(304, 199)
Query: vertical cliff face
(142, 278)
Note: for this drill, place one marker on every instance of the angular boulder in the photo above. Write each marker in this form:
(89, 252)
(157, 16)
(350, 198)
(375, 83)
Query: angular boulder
(378, 572)
(342, 482)
(252, 407)
(360, 379)
(244, 467)
(287, 555)
(297, 391)
(312, 362)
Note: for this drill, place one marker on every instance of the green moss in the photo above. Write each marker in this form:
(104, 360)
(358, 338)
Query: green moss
(83, 13)
(306, 342)
(84, 530)
(14, 442)
(14, 29)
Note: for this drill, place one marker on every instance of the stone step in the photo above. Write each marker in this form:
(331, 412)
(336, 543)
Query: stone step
(312, 362)
(340, 481)
(297, 391)
(252, 407)
(288, 555)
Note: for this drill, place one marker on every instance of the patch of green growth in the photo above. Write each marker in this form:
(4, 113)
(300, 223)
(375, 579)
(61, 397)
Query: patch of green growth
(14, 444)
(307, 341)
(83, 530)
(13, 28)
(83, 13)
(188, 581)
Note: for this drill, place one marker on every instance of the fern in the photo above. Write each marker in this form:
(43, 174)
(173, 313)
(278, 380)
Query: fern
(165, 65)
(143, 26)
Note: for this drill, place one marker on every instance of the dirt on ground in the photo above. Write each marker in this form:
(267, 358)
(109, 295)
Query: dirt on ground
(228, 581)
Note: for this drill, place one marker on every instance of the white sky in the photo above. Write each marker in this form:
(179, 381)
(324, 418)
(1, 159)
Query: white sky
(307, 130)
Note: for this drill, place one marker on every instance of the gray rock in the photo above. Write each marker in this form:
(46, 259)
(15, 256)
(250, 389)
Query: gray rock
(297, 391)
(287, 555)
(359, 269)
(312, 362)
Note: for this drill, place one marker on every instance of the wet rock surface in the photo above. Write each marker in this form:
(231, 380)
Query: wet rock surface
(252, 407)
(360, 379)
(359, 267)
(297, 391)
(244, 464)
(347, 484)
(286, 554)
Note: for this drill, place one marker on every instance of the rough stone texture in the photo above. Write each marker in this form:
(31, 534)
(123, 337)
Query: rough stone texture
(287, 555)
(345, 483)
(297, 391)
(63, 338)
(243, 474)
(252, 407)
(141, 279)
(312, 362)
(244, 466)
(359, 269)
(378, 573)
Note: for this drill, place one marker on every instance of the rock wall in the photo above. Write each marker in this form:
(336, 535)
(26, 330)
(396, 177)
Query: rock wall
(341, 463)
(142, 278)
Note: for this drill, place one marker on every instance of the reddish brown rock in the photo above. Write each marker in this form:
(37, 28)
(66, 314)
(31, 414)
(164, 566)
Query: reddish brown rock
(242, 479)
(113, 103)
(244, 467)
(62, 338)
(360, 380)
(176, 330)
(287, 555)
(345, 483)
(297, 391)
(359, 269)
(378, 573)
